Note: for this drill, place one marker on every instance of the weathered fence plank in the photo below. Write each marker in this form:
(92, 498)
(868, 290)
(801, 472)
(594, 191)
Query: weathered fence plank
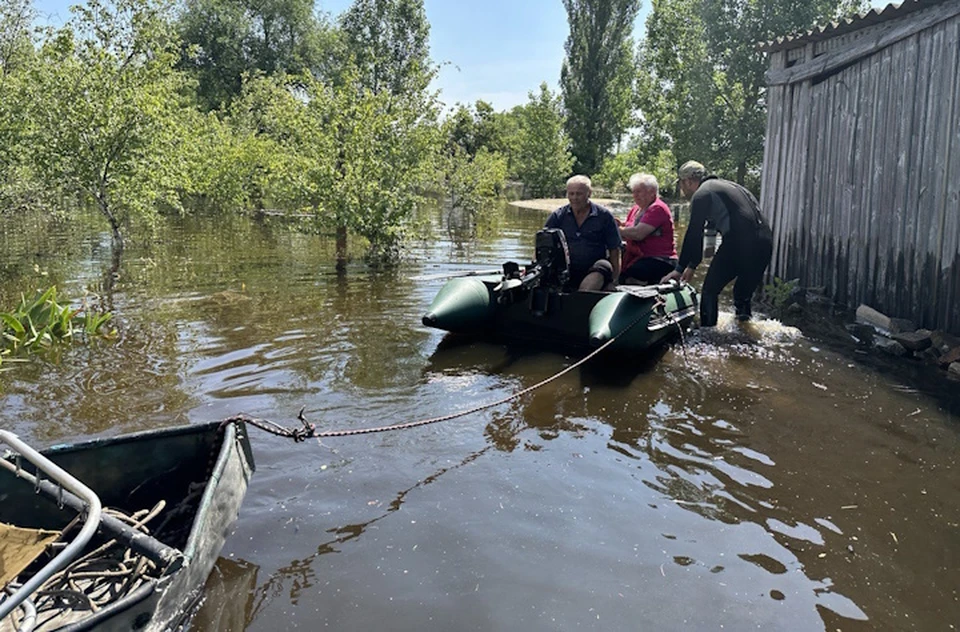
(862, 167)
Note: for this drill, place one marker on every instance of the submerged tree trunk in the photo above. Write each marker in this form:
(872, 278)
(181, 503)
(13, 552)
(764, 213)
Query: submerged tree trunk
(111, 275)
(341, 249)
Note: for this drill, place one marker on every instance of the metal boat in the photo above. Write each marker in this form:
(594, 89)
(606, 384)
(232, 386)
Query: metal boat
(118, 533)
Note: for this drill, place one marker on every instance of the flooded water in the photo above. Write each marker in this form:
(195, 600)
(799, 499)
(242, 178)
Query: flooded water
(751, 478)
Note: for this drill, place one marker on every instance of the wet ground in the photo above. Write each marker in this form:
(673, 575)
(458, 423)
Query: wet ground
(749, 478)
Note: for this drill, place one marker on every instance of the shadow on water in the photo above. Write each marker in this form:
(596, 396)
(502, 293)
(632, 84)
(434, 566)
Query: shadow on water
(457, 353)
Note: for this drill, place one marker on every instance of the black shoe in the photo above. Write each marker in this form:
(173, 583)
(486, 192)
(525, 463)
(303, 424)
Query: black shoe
(743, 310)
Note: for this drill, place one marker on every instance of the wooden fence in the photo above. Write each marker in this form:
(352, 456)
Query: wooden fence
(861, 173)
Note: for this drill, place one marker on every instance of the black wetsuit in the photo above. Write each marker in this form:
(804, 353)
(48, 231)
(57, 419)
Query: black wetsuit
(744, 251)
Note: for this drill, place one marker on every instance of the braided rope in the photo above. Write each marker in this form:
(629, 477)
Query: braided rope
(309, 431)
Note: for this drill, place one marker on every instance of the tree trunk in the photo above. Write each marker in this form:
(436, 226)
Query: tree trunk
(341, 249)
(111, 275)
(741, 172)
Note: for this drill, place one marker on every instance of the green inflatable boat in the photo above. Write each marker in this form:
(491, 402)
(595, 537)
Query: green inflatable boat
(530, 305)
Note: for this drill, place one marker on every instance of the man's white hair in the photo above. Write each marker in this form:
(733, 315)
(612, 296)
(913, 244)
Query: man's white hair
(584, 180)
(647, 180)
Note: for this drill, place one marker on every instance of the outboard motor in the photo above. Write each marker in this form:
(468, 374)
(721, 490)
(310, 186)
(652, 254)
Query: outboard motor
(553, 267)
(553, 257)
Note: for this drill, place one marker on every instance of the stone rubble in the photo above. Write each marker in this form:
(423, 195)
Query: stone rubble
(900, 337)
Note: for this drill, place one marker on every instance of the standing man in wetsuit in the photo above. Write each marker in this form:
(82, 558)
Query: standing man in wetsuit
(746, 247)
(592, 237)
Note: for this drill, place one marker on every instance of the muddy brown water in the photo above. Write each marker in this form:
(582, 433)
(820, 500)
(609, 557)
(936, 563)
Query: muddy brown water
(751, 478)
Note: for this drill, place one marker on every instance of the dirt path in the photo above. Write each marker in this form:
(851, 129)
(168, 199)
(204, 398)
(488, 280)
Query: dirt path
(552, 204)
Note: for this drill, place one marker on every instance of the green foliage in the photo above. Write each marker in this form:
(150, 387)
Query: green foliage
(388, 41)
(102, 106)
(224, 39)
(597, 76)
(384, 146)
(470, 130)
(17, 186)
(474, 183)
(705, 88)
(16, 41)
(542, 159)
(494, 131)
(779, 292)
(42, 322)
(618, 169)
(354, 159)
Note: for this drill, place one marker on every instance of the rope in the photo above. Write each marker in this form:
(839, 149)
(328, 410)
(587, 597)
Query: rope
(309, 431)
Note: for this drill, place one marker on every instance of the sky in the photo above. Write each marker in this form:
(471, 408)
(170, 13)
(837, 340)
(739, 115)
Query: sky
(495, 50)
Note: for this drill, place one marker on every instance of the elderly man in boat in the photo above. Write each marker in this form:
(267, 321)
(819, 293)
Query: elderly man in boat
(592, 238)
(651, 251)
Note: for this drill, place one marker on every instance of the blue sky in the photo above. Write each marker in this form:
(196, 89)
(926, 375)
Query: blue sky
(495, 50)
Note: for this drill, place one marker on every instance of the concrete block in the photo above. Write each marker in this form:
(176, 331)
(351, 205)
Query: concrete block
(866, 315)
(914, 340)
(950, 357)
(901, 325)
(944, 341)
(862, 333)
(892, 347)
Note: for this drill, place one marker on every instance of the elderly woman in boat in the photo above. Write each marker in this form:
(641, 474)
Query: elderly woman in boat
(651, 250)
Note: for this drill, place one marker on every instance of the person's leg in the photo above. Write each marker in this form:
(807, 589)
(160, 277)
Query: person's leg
(647, 270)
(753, 263)
(722, 270)
(599, 276)
(576, 278)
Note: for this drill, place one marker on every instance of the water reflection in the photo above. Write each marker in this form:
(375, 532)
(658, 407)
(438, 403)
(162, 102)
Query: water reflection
(228, 603)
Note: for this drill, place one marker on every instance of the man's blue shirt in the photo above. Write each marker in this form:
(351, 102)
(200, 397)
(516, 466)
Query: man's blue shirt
(589, 242)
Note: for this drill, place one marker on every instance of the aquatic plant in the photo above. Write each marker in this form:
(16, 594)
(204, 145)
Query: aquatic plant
(42, 322)
(778, 292)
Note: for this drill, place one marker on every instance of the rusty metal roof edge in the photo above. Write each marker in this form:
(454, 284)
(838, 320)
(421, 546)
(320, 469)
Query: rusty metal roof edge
(834, 29)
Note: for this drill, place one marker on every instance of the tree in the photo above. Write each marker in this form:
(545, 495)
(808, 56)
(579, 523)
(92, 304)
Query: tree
(16, 43)
(596, 76)
(102, 105)
(223, 39)
(385, 123)
(479, 127)
(542, 158)
(352, 158)
(618, 169)
(707, 87)
(473, 167)
(16, 54)
(389, 43)
(384, 145)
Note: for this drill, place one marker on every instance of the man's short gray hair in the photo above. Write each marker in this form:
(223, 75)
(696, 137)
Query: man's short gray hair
(584, 180)
(646, 180)
(692, 169)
